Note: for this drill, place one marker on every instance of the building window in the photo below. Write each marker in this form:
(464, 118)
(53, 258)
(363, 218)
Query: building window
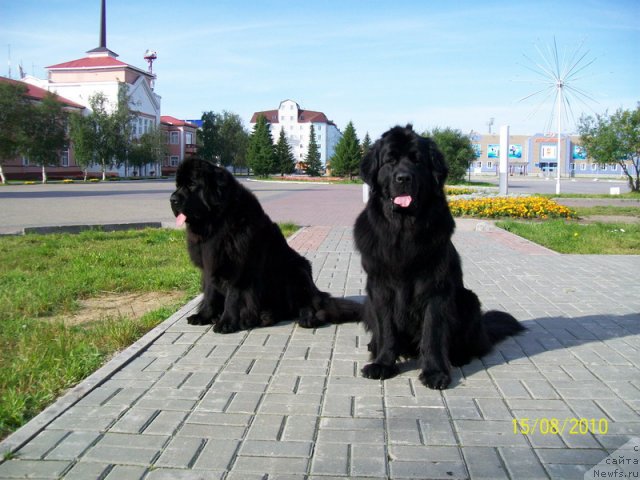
(174, 160)
(489, 165)
(175, 139)
(188, 138)
(25, 161)
(64, 158)
(583, 166)
(478, 164)
(594, 167)
(614, 167)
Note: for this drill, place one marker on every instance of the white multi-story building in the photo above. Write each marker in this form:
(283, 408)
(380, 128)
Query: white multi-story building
(296, 124)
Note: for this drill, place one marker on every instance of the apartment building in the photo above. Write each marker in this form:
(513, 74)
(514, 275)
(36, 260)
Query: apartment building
(296, 123)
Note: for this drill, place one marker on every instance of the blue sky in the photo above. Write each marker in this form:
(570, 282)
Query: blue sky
(377, 62)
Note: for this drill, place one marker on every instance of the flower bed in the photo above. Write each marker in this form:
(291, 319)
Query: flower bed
(516, 207)
(451, 190)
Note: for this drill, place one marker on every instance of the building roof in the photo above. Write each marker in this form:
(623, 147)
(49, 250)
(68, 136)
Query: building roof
(90, 62)
(175, 122)
(304, 116)
(97, 62)
(37, 93)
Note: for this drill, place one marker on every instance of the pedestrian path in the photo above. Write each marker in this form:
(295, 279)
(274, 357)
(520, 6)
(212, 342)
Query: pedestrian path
(289, 403)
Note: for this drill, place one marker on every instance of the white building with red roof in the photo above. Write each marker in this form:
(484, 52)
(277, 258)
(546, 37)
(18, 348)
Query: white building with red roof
(100, 71)
(296, 124)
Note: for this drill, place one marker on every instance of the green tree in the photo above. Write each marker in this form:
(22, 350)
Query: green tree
(13, 112)
(209, 136)
(285, 160)
(223, 139)
(233, 140)
(121, 120)
(614, 139)
(104, 136)
(457, 150)
(314, 164)
(260, 152)
(45, 131)
(366, 144)
(348, 154)
(148, 149)
(82, 135)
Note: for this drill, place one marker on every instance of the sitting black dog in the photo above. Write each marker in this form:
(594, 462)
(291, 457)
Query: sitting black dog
(417, 305)
(250, 275)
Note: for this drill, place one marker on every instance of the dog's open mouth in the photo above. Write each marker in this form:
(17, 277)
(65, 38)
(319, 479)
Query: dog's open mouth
(180, 219)
(403, 200)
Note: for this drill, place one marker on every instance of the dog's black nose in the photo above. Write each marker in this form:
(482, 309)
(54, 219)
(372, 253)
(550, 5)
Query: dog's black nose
(402, 177)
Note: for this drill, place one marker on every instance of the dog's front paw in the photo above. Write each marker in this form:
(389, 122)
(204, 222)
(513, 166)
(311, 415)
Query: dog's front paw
(378, 371)
(435, 379)
(226, 325)
(198, 319)
(307, 318)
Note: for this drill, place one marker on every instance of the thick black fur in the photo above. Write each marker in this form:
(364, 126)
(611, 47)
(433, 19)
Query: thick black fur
(250, 275)
(417, 305)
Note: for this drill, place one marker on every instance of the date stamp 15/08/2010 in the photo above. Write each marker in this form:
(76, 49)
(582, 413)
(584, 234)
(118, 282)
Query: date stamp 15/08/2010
(560, 426)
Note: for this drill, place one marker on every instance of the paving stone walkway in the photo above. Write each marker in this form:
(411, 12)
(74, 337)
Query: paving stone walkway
(289, 403)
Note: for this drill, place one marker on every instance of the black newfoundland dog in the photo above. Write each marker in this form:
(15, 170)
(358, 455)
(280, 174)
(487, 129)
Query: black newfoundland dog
(250, 275)
(417, 305)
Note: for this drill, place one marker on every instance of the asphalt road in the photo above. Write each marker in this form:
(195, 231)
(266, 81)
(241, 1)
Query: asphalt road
(519, 184)
(148, 201)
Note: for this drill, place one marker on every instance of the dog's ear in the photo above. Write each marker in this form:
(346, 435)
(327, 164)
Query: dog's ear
(439, 168)
(370, 164)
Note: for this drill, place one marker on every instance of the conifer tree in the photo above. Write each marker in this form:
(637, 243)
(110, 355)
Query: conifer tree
(260, 153)
(366, 144)
(347, 156)
(314, 165)
(284, 157)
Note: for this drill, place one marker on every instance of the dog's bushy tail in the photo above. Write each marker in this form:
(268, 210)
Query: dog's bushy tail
(340, 310)
(500, 325)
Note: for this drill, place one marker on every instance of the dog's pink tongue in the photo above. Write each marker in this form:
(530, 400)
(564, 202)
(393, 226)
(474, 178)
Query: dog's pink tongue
(404, 200)
(180, 219)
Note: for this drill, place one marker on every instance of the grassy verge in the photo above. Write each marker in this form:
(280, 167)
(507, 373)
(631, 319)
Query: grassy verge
(572, 237)
(627, 195)
(607, 210)
(42, 279)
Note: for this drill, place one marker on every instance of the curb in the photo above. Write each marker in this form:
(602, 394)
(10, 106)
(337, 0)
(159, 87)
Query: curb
(74, 229)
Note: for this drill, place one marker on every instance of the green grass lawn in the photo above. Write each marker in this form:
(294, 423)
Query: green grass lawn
(627, 211)
(572, 237)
